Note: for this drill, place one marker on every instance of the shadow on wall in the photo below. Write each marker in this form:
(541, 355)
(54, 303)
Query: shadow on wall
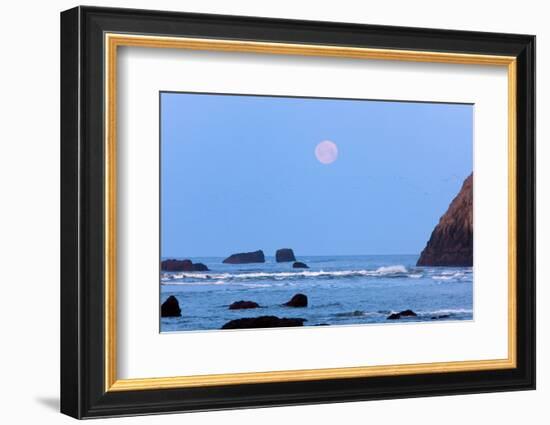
(49, 402)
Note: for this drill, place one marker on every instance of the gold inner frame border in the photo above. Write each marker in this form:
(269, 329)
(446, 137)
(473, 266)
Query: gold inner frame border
(113, 40)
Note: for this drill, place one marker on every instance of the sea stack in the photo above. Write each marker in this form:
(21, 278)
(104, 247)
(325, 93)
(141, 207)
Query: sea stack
(173, 265)
(182, 266)
(246, 257)
(451, 242)
(284, 255)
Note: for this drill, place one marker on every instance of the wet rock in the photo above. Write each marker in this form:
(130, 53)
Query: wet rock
(441, 316)
(284, 255)
(170, 307)
(404, 313)
(263, 322)
(298, 300)
(240, 305)
(300, 265)
(246, 257)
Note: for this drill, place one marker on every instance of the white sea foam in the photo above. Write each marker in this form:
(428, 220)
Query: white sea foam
(358, 313)
(183, 283)
(395, 270)
(256, 285)
(448, 276)
(449, 311)
(391, 269)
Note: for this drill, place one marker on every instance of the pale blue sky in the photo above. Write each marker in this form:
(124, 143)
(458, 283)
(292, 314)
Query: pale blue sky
(238, 173)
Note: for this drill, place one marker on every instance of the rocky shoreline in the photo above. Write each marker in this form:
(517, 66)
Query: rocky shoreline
(171, 309)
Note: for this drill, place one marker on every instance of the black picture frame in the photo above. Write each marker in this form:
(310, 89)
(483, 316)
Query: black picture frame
(83, 392)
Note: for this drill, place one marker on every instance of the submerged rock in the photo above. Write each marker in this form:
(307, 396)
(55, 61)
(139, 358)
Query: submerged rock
(451, 242)
(300, 265)
(441, 316)
(182, 266)
(284, 255)
(404, 313)
(263, 322)
(239, 305)
(298, 300)
(170, 307)
(246, 257)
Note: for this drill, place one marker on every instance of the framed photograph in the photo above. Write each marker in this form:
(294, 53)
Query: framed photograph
(261, 212)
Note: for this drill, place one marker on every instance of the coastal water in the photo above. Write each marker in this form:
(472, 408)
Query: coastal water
(341, 290)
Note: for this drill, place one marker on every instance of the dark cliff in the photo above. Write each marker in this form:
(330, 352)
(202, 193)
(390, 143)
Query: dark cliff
(451, 242)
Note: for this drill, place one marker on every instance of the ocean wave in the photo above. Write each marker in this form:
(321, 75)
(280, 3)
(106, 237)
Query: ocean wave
(386, 271)
(449, 276)
(256, 285)
(185, 283)
(355, 313)
(420, 313)
(391, 269)
(359, 313)
(449, 311)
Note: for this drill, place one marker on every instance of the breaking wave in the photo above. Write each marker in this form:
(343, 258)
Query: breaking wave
(423, 315)
(387, 271)
(449, 276)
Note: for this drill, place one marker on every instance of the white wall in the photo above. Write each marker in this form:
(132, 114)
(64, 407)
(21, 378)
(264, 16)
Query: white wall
(29, 224)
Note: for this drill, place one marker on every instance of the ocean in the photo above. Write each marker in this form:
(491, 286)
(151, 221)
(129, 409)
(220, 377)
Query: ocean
(341, 290)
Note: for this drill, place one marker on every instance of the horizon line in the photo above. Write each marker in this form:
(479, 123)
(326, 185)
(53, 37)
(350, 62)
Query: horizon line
(301, 255)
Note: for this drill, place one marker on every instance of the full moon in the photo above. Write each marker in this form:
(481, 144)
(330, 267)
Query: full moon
(326, 152)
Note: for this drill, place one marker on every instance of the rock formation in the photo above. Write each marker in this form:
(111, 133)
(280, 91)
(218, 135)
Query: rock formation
(300, 265)
(170, 307)
(176, 265)
(200, 267)
(451, 242)
(246, 257)
(404, 313)
(298, 300)
(263, 322)
(182, 266)
(284, 255)
(239, 305)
